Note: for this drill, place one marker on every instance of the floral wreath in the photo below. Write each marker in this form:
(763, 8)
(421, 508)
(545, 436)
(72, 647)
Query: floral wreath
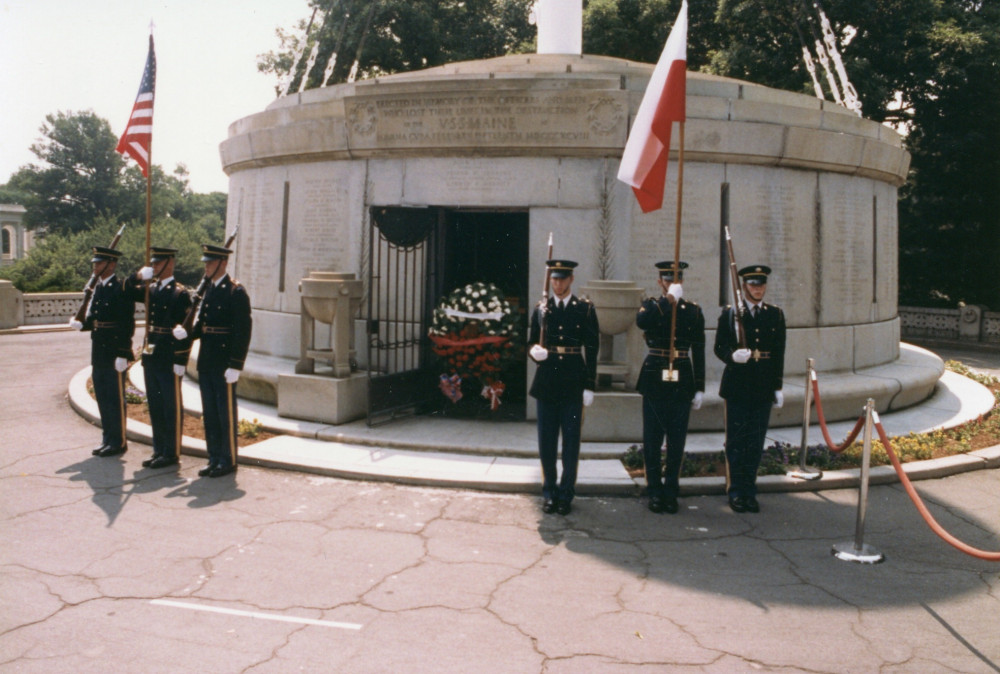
(473, 330)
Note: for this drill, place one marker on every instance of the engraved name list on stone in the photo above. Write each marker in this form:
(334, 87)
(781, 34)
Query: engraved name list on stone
(490, 119)
(317, 240)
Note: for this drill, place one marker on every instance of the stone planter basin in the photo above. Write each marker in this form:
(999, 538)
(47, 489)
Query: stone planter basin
(321, 290)
(617, 303)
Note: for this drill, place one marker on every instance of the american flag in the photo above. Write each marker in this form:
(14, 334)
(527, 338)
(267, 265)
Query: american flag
(137, 140)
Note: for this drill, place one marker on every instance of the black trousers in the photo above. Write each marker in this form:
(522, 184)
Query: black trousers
(218, 402)
(109, 389)
(665, 417)
(555, 416)
(746, 428)
(166, 412)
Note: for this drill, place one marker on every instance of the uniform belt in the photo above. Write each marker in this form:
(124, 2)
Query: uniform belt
(759, 355)
(665, 353)
(105, 325)
(569, 350)
(157, 330)
(210, 330)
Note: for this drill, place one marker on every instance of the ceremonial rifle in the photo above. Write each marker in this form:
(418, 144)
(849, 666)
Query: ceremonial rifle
(199, 294)
(88, 290)
(545, 296)
(738, 304)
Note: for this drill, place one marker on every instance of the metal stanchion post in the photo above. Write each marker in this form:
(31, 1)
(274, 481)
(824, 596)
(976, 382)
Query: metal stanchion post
(804, 472)
(858, 551)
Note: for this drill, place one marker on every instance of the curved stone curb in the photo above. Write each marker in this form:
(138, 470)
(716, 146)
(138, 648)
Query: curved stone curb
(503, 473)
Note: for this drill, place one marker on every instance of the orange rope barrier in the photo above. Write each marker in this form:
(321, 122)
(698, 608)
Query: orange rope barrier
(851, 437)
(924, 512)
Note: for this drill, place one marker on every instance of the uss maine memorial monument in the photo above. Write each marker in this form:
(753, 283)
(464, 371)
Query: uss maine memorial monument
(399, 189)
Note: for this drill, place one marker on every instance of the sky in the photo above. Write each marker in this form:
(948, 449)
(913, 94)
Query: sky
(79, 55)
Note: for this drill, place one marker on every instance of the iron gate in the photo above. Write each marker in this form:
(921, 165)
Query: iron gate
(401, 278)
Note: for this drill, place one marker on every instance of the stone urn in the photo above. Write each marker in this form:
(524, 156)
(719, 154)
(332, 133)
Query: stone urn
(617, 303)
(332, 298)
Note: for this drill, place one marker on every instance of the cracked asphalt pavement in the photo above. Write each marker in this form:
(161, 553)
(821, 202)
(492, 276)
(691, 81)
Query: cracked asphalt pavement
(105, 566)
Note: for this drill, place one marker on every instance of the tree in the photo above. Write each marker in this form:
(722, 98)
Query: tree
(83, 194)
(79, 175)
(399, 35)
(950, 211)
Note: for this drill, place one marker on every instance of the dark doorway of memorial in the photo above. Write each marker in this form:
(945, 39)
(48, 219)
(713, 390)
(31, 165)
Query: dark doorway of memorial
(482, 271)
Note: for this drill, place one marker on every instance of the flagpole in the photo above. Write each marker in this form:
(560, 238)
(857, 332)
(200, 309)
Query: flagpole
(149, 215)
(677, 240)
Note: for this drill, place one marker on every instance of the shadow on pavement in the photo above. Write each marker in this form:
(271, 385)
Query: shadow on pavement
(106, 478)
(782, 556)
(208, 492)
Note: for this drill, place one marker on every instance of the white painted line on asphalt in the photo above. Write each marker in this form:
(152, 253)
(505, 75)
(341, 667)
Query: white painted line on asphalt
(256, 614)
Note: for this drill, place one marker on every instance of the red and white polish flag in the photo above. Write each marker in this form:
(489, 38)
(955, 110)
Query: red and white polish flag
(644, 161)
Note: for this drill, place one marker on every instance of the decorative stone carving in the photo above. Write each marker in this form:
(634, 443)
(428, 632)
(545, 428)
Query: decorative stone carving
(332, 298)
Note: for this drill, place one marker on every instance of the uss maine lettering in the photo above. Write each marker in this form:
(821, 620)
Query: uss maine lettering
(557, 119)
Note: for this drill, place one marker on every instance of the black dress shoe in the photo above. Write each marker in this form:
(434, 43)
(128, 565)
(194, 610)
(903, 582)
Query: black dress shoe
(751, 505)
(112, 451)
(148, 462)
(548, 506)
(163, 462)
(563, 507)
(204, 472)
(97, 452)
(737, 505)
(655, 504)
(670, 505)
(219, 471)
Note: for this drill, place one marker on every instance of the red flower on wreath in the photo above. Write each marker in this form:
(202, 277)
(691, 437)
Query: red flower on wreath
(472, 331)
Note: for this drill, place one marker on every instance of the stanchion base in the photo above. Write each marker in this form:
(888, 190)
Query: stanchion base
(849, 553)
(807, 474)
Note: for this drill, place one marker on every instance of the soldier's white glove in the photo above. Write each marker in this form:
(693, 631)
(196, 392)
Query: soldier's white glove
(699, 397)
(146, 273)
(120, 364)
(231, 375)
(741, 355)
(538, 353)
(180, 333)
(179, 370)
(75, 324)
(779, 399)
(588, 398)
(676, 291)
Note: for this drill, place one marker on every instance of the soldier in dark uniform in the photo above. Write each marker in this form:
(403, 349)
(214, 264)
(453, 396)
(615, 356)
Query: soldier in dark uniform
(164, 357)
(111, 320)
(751, 383)
(223, 326)
(564, 382)
(668, 396)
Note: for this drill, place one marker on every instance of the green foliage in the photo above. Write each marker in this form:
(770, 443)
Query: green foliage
(401, 35)
(134, 396)
(963, 369)
(78, 178)
(81, 196)
(62, 263)
(952, 201)
(249, 429)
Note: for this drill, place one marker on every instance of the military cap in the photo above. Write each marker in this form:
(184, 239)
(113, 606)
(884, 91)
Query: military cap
(667, 269)
(162, 254)
(560, 268)
(755, 274)
(102, 254)
(210, 252)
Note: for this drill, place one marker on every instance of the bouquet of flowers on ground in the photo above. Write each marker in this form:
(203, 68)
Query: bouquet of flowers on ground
(474, 330)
